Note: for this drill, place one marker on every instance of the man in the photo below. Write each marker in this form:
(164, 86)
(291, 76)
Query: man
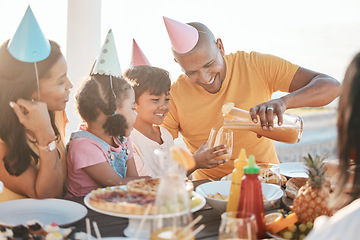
(212, 79)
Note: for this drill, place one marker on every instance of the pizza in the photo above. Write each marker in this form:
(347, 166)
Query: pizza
(144, 186)
(118, 200)
(135, 200)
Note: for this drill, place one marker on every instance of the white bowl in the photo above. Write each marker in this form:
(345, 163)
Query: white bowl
(271, 192)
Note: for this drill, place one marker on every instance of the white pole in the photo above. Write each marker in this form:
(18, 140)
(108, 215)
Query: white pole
(82, 46)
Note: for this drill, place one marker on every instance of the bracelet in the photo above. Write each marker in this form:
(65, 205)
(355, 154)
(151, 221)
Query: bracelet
(48, 148)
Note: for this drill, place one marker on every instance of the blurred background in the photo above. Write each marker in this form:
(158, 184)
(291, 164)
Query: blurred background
(320, 35)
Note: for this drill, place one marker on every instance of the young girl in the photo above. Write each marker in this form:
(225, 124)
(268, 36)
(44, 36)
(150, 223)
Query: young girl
(101, 154)
(152, 86)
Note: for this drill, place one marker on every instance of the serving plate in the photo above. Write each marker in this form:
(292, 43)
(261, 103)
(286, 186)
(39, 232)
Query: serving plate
(46, 211)
(293, 169)
(135, 220)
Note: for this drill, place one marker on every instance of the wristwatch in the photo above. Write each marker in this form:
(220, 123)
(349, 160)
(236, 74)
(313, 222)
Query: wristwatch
(50, 147)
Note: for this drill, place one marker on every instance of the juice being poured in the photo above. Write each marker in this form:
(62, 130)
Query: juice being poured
(289, 132)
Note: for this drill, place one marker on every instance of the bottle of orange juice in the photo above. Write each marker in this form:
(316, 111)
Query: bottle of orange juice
(289, 131)
(236, 179)
(251, 198)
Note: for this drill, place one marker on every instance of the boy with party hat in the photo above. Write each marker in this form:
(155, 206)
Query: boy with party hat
(211, 78)
(34, 90)
(101, 153)
(152, 86)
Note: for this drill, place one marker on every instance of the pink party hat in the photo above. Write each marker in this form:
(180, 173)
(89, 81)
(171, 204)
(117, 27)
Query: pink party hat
(138, 57)
(183, 37)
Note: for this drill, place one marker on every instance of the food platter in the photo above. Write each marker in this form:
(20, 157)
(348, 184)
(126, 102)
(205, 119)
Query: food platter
(135, 220)
(87, 203)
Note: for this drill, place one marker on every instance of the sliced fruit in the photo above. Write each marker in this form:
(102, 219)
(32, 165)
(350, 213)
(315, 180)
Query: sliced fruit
(283, 223)
(272, 218)
(195, 201)
(182, 157)
(226, 108)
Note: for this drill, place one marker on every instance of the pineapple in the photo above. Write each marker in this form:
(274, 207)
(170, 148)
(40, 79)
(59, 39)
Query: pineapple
(312, 199)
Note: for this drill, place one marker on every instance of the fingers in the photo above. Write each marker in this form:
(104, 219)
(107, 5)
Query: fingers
(266, 113)
(18, 111)
(270, 117)
(280, 117)
(253, 114)
(33, 115)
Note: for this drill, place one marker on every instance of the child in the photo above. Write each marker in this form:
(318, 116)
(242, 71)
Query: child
(95, 152)
(152, 86)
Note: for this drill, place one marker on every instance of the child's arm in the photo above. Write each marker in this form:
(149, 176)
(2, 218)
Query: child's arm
(104, 175)
(131, 168)
(204, 157)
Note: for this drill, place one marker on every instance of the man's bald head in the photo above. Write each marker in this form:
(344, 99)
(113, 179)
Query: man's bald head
(206, 37)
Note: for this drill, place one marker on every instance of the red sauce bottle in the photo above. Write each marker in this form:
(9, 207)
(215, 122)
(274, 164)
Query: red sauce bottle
(251, 198)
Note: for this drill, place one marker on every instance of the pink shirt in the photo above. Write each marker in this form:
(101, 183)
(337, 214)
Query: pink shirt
(82, 153)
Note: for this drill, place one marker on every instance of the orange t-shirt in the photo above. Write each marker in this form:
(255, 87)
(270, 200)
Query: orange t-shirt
(60, 121)
(251, 78)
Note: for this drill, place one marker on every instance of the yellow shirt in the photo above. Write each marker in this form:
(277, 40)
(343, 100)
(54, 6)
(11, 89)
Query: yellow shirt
(250, 79)
(60, 121)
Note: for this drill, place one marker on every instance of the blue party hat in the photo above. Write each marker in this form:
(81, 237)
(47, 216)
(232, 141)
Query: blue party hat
(29, 43)
(107, 62)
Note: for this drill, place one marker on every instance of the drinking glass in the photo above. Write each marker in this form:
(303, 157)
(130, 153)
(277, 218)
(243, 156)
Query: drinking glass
(237, 225)
(221, 137)
(173, 214)
(270, 173)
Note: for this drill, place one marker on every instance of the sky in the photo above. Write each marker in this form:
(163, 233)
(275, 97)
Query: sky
(321, 35)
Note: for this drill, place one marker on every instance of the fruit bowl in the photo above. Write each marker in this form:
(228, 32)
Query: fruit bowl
(271, 192)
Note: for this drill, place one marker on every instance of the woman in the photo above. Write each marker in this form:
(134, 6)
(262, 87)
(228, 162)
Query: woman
(345, 222)
(32, 153)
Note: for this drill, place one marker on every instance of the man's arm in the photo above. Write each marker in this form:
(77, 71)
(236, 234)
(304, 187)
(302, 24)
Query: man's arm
(311, 89)
(307, 89)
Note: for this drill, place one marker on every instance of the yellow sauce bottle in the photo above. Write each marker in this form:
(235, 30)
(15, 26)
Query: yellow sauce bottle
(236, 178)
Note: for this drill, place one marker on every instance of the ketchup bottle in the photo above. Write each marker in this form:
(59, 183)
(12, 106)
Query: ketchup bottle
(236, 179)
(251, 198)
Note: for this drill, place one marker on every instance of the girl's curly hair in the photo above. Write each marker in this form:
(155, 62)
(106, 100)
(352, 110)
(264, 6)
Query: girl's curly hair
(96, 95)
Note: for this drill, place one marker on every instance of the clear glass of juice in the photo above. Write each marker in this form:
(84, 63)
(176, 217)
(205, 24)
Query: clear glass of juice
(218, 137)
(173, 214)
(237, 225)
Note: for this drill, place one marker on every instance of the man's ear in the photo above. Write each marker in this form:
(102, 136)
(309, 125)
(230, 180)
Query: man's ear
(220, 46)
(175, 60)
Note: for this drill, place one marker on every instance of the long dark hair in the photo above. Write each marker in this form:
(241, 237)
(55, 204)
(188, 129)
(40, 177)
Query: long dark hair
(96, 95)
(349, 127)
(18, 80)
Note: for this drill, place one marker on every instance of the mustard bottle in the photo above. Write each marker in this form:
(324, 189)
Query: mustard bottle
(236, 179)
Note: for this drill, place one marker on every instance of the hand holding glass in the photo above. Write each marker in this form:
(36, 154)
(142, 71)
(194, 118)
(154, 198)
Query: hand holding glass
(221, 137)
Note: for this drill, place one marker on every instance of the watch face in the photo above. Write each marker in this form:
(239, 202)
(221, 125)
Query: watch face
(52, 146)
